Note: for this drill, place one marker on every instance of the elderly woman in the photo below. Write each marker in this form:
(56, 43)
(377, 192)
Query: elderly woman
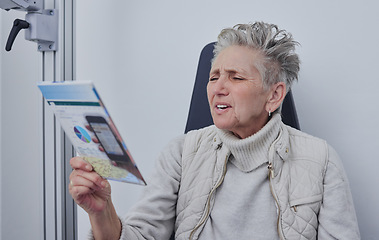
(247, 177)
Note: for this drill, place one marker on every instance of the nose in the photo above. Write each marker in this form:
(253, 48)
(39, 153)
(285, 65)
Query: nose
(220, 86)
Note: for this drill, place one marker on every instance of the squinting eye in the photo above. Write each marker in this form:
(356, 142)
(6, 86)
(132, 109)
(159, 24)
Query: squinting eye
(237, 78)
(213, 79)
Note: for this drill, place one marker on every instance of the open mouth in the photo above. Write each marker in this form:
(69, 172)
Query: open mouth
(221, 106)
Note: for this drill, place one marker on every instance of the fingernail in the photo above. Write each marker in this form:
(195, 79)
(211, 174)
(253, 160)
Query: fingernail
(104, 183)
(89, 167)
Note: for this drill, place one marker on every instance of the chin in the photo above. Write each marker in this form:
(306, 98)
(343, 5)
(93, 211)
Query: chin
(223, 126)
(224, 122)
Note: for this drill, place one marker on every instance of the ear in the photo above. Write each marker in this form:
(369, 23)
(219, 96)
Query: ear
(276, 96)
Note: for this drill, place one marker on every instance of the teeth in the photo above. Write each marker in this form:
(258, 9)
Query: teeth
(221, 106)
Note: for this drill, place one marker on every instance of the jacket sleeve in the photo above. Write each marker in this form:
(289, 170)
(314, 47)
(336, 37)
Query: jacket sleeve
(337, 218)
(153, 217)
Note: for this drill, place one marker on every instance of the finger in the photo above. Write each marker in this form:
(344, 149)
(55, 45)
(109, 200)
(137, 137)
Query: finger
(85, 182)
(80, 163)
(101, 149)
(77, 190)
(93, 177)
(89, 128)
(79, 193)
(95, 140)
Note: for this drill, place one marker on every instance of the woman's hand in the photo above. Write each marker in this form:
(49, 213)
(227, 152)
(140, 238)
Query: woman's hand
(93, 193)
(87, 188)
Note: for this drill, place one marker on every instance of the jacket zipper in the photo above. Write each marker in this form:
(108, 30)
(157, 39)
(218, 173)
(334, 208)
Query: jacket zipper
(270, 177)
(209, 199)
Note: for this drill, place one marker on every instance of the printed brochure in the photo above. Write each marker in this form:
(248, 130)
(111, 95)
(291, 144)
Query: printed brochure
(88, 125)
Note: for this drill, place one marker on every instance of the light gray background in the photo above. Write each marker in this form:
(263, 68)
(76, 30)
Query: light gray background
(20, 169)
(142, 56)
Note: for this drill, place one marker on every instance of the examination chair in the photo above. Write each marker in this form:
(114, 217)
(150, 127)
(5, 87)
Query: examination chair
(199, 115)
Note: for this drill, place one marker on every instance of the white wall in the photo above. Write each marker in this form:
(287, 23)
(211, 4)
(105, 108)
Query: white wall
(142, 55)
(20, 172)
(0, 123)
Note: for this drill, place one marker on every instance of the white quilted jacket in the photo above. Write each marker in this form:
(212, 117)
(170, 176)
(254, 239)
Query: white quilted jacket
(181, 193)
(297, 165)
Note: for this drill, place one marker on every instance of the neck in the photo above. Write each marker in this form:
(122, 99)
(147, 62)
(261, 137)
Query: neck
(247, 132)
(250, 152)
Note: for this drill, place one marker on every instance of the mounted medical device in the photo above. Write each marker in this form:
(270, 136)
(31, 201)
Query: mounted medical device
(41, 25)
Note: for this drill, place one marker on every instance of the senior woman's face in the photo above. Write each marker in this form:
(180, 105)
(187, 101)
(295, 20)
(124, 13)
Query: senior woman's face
(236, 95)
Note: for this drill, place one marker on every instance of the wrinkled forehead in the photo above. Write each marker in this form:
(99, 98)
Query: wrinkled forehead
(237, 57)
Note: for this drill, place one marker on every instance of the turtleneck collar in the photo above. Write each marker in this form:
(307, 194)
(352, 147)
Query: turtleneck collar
(251, 152)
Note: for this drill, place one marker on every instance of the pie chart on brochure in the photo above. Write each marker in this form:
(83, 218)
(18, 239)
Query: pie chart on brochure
(82, 134)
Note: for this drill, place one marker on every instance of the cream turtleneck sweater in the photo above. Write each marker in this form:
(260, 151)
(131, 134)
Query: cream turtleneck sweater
(244, 207)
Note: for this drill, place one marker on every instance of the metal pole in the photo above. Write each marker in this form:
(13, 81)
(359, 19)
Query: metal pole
(59, 209)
